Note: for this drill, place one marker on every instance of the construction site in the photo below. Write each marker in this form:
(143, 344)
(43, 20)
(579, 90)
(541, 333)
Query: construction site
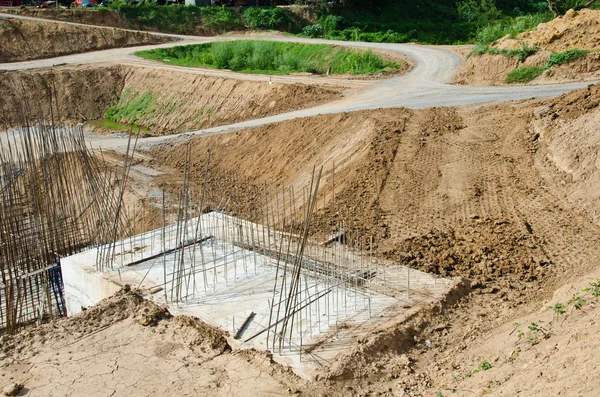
(427, 231)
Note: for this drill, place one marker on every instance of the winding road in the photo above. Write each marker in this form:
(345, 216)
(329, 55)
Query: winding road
(426, 85)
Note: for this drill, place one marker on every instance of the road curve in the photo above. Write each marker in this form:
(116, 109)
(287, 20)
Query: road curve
(426, 85)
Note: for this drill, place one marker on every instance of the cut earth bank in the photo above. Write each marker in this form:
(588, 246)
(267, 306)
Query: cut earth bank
(490, 193)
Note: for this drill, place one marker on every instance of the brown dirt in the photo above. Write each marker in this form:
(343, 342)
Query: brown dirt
(185, 101)
(576, 30)
(100, 17)
(25, 40)
(54, 91)
(492, 194)
(181, 101)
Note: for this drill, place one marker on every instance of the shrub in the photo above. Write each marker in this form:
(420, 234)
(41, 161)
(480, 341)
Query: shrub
(524, 74)
(559, 58)
(265, 18)
(315, 30)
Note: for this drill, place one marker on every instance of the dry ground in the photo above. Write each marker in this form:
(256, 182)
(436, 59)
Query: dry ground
(494, 194)
(23, 40)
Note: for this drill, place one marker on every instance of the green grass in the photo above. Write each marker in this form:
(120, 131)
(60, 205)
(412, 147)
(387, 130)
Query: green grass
(524, 74)
(131, 107)
(560, 58)
(509, 26)
(271, 57)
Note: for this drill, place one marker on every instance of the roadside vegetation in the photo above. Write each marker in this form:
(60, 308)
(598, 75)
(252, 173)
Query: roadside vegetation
(526, 74)
(390, 21)
(272, 57)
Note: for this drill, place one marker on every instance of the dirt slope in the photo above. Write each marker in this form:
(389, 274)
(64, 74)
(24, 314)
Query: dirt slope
(162, 101)
(70, 94)
(24, 40)
(182, 101)
(478, 192)
(575, 30)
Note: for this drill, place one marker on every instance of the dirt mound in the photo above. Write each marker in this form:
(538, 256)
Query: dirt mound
(576, 29)
(496, 256)
(568, 150)
(100, 17)
(24, 40)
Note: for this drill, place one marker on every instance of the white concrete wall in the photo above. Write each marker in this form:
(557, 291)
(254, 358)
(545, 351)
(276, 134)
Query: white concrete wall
(84, 286)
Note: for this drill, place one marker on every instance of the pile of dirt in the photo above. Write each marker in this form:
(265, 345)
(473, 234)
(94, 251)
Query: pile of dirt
(496, 256)
(575, 30)
(24, 40)
(569, 142)
(98, 17)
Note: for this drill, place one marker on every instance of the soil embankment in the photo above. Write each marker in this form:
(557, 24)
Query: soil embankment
(575, 30)
(493, 194)
(24, 40)
(162, 101)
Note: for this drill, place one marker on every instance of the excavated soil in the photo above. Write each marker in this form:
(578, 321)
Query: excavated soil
(503, 196)
(24, 40)
(575, 30)
(172, 101)
(494, 194)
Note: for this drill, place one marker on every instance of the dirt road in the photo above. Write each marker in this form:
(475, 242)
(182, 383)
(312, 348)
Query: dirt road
(426, 85)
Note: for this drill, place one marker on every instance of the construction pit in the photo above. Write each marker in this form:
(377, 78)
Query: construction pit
(501, 195)
(251, 281)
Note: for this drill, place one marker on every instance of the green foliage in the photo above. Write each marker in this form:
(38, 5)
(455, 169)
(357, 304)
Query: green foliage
(484, 366)
(533, 335)
(481, 12)
(177, 19)
(131, 107)
(271, 57)
(577, 302)
(265, 18)
(315, 30)
(559, 7)
(559, 309)
(593, 288)
(559, 58)
(486, 35)
(524, 74)
(331, 23)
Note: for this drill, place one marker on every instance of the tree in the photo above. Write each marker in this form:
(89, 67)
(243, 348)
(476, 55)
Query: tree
(559, 7)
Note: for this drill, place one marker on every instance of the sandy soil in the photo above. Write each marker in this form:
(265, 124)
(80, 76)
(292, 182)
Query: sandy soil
(25, 40)
(575, 30)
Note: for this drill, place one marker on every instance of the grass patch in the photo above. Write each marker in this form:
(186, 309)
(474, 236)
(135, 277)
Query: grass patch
(486, 35)
(266, 18)
(524, 74)
(131, 107)
(271, 57)
(560, 58)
